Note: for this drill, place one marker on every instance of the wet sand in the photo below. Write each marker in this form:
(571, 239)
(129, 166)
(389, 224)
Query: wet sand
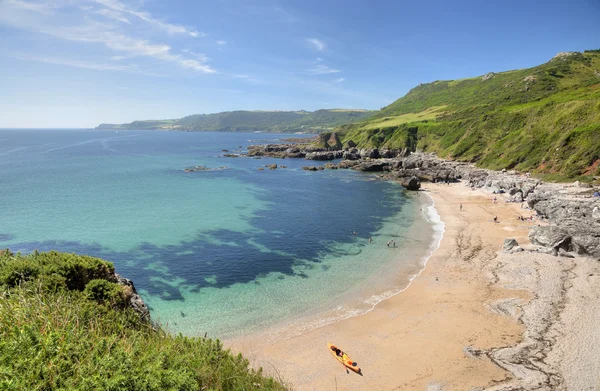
(474, 318)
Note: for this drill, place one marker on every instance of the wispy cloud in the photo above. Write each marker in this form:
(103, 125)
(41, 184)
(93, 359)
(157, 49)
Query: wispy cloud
(339, 80)
(84, 64)
(248, 78)
(221, 42)
(315, 43)
(113, 15)
(63, 24)
(147, 17)
(322, 69)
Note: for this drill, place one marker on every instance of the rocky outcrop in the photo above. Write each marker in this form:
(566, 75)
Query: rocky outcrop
(135, 300)
(324, 155)
(371, 166)
(550, 236)
(578, 218)
(412, 183)
(509, 244)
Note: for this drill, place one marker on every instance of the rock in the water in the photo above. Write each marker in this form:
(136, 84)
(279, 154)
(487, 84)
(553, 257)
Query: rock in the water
(510, 243)
(411, 183)
(272, 166)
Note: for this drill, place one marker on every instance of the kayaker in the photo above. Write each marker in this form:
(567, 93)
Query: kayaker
(339, 353)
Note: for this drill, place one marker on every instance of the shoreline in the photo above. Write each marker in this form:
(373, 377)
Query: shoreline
(457, 323)
(405, 267)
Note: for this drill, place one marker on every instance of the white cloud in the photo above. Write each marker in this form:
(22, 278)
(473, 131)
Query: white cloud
(339, 80)
(199, 56)
(116, 5)
(317, 44)
(113, 15)
(322, 69)
(84, 64)
(248, 78)
(221, 42)
(34, 17)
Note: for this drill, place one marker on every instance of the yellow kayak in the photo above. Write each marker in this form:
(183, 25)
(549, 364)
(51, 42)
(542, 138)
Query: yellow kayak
(343, 358)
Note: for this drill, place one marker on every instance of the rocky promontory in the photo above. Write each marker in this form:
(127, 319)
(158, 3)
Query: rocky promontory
(569, 215)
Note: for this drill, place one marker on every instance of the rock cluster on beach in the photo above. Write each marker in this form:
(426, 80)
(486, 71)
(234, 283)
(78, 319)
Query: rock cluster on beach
(571, 215)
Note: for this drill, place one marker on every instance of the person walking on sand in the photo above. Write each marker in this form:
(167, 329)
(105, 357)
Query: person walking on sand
(461, 206)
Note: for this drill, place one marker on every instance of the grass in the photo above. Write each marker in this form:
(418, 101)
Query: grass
(430, 113)
(61, 337)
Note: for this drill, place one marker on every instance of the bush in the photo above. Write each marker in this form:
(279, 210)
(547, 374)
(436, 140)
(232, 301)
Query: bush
(105, 292)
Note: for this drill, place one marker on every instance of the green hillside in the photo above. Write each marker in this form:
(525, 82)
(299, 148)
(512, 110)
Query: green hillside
(249, 121)
(544, 119)
(65, 326)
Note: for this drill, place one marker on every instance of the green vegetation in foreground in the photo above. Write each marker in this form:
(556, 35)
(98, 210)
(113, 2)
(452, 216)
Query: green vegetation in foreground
(250, 121)
(544, 119)
(65, 326)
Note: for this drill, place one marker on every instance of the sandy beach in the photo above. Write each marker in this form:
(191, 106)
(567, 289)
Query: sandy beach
(476, 318)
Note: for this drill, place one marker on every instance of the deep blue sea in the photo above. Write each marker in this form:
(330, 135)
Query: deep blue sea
(227, 251)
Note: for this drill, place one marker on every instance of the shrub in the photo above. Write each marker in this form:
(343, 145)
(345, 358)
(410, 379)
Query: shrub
(105, 292)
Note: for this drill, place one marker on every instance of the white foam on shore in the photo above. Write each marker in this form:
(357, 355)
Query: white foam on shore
(430, 215)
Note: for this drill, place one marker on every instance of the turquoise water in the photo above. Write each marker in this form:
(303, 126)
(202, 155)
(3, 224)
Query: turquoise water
(224, 252)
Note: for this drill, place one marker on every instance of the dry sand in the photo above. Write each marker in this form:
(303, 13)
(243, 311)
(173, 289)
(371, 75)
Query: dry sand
(476, 318)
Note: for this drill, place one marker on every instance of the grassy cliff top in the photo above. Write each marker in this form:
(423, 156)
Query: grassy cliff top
(544, 119)
(64, 325)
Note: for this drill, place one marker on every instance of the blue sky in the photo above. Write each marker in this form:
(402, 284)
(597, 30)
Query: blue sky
(77, 63)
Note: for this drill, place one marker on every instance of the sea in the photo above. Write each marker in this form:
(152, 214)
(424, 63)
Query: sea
(225, 252)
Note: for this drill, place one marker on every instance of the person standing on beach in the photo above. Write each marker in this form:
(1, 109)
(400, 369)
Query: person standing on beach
(461, 206)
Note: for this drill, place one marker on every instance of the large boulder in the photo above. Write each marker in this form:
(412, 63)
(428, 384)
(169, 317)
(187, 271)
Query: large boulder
(372, 166)
(349, 155)
(411, 183)
(510, 243)
(324, 155)
(550, 236)
(348, 163)
(369, 153)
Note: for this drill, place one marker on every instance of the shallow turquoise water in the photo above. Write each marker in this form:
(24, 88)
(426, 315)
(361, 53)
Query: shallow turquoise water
(223, 252)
